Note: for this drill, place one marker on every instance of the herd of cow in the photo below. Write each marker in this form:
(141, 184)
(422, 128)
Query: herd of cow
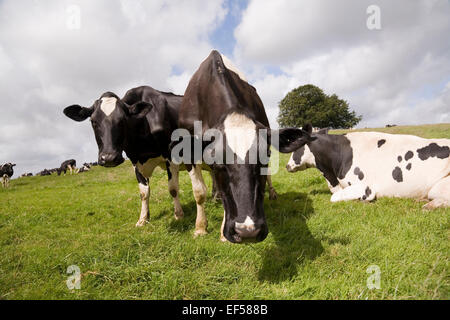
(361, 166)
(68, 165)
(7, 170)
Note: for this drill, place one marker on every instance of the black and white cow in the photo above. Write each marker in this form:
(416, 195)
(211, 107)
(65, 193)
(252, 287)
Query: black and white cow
(6, 172)
(70, 165)
(140, 124)
(24, 175)
(219, 96)
(45, 172)
(369, 165)
(85, 168)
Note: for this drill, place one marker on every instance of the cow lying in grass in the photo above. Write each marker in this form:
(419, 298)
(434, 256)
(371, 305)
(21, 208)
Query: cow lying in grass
(369, 165)
(6, 172)
(85, 168)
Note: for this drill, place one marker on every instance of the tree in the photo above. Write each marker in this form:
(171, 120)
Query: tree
(309, 104)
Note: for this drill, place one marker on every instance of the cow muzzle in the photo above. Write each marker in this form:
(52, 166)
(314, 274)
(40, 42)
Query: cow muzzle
(247, 231)
(110, 159)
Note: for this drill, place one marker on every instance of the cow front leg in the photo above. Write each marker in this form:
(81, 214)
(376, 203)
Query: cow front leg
(335, 188)
(222, 237)
(215, 190)
(144, 192)
(354, 192)
(172, 173)
(199, 190)
(439, 195)
(4, 181)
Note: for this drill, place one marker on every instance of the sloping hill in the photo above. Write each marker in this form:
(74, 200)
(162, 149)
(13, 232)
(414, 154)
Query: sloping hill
(315, 249)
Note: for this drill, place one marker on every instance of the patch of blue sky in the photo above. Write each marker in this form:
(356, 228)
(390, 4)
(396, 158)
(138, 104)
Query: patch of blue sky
(222, 37)
(430, 90)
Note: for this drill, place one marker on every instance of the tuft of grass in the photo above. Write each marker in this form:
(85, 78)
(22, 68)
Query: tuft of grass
(315, 249)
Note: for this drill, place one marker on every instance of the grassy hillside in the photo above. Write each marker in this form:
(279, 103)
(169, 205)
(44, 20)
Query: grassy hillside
(428, 131)
(315, 249)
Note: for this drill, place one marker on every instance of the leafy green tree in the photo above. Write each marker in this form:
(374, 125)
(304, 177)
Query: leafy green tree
(309, 104)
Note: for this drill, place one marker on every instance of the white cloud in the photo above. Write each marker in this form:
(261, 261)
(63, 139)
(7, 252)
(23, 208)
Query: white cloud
(45, 66)
(380, 73)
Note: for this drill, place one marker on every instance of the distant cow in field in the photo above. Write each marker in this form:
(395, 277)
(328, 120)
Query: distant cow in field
(86, 167)
(44, 172)
(369, 165)
(26, 175)
(70, 165)
(6, 172)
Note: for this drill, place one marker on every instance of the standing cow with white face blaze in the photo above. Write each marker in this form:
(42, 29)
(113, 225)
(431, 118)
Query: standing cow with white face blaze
(219, 97)
(369, 165)
(140, 124)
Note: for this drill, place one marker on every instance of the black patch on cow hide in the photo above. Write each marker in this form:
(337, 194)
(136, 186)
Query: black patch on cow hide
(381, 142)
(359, 173)
(298, 154)
(433, 150)
(169, 174)
(140, 178)
(368, 192)
(349, 183)
(409, 155)
(408, 167)
(397, 174)
(399, 158)
(333, 155)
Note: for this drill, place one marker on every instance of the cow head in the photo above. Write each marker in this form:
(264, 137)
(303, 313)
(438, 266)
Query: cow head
(302, 158)
(8, 169)
(241, 179)
(109, 117)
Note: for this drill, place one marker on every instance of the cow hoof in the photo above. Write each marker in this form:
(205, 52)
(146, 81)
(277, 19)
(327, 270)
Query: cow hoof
(199, 233)
(223, 239)
(141, 223)
(179, 215)
(273, 194)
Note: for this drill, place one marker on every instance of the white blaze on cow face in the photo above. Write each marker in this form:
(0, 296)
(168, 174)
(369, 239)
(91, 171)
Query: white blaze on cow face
(229, 65)
(108, 105)
(240, 132)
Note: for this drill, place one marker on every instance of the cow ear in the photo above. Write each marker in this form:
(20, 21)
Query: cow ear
(13, 165)
(308, 128)
(78, 113)
(291, 139)
(140, 109)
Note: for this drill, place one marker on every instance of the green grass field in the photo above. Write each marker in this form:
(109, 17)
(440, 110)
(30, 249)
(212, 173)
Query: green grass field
(315, 249)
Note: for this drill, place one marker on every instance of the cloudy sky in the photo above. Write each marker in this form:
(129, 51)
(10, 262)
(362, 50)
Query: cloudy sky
(55, 53)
